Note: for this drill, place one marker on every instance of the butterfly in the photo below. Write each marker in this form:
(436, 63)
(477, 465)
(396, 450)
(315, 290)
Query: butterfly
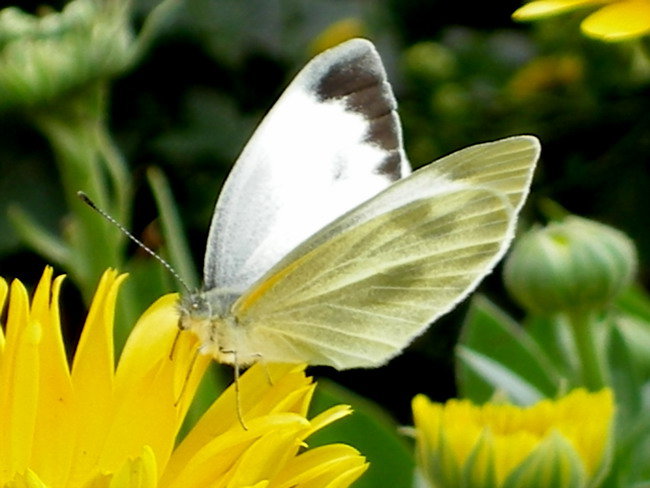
(325, 248)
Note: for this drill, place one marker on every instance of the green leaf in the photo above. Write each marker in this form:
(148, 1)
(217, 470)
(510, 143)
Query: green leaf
(499, 378)
(370, 431)
(636, 332)
(172, 227)
(634, 300)
(39, 239)
(626, 380)
(490, 333)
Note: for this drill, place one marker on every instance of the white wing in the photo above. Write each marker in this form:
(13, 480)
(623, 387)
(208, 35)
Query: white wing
(359, 291)
(332, 141)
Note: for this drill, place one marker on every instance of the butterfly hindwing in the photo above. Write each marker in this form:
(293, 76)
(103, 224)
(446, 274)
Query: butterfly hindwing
(360, 298)
(361, 289)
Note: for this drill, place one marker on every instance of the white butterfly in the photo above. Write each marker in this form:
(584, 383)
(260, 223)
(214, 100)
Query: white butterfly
(325, 249)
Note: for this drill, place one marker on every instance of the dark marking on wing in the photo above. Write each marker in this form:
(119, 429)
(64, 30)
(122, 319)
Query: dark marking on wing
(391, 166)
(359, 80)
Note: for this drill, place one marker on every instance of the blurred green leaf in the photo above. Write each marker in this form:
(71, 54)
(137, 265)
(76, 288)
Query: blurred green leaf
(180, 256)
(636, 334)
(626, 378)
(489, 338)
(40, 239)
(499, 378)
(634, 300)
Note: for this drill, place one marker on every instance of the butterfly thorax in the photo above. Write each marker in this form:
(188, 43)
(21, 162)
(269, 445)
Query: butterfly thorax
(207, 314)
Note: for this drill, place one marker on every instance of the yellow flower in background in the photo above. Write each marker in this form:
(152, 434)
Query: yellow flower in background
(91, 426)
(336, 33)
(546, 75)
(615, 20)
(563, 443)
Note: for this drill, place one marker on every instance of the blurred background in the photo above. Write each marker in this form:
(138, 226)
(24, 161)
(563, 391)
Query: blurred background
(463, 73)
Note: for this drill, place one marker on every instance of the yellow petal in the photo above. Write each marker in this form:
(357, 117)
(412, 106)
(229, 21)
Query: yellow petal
(154, 338)
(140, 472)
(321, 466)
(327, 417)
(195, 464)
(27, 480)
(261, 484)
(148, 384)
(258, 398)
(19, 378)
(548, 8)
(346, 478)
(264, 458)
(53, 438)
(619, 21)
(3, 296)
(92, 378)
(276, 387)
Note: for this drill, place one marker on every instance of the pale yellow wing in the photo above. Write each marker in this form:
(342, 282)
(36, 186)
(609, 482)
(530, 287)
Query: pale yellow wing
(361, 297)
(357, 292)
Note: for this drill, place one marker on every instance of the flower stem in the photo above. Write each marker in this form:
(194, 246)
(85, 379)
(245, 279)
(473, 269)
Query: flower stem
(592, 372)
(89, 161)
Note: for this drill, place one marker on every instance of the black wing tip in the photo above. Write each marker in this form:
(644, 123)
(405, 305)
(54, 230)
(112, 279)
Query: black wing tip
(353, 73)
(346, 69)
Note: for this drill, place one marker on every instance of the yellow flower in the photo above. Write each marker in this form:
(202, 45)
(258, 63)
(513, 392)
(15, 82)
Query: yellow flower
(563, 443)
(546, 75)
(336, 33)
(615, 20)
(91, 426)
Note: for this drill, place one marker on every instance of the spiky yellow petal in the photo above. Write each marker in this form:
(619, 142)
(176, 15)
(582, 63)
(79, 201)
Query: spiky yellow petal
(97, 426)
(619, 21)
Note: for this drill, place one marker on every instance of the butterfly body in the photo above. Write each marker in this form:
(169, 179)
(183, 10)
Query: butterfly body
(325, 248)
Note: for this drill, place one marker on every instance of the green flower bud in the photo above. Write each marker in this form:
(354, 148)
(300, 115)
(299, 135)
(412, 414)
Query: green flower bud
(573, 265)
(42, 58)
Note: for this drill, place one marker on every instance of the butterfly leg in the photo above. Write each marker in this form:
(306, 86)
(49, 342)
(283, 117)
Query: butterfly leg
(235, 363)
(175, 343)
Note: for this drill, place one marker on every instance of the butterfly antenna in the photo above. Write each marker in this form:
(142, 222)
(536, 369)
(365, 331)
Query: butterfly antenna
(86, 199)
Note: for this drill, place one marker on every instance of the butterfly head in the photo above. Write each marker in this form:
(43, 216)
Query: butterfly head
(208, 315)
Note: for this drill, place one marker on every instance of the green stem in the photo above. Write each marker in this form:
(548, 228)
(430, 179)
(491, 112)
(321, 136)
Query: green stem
(584, 335)
(88, 161)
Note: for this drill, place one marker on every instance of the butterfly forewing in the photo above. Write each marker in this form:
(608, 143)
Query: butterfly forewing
(361, 297)
(332, 141)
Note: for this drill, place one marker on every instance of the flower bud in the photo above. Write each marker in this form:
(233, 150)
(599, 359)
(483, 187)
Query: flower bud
(42, 58)
(563, 443)
(573, 265)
